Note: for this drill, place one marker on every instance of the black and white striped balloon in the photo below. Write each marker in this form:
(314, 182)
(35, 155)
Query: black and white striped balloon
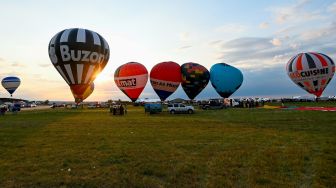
(79, 55)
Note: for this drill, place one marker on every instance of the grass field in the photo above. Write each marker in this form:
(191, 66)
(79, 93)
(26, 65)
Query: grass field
(215, 148)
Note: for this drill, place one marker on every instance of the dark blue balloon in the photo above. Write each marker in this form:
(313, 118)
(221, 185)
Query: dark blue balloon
(226, 79)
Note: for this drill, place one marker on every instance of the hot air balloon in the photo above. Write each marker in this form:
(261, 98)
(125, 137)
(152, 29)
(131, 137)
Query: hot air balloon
(311, 71)
(79, 55)
(165, 78)
(82, 95)
(131, 78)
(195, 78)
(226, 79)
(11, 83)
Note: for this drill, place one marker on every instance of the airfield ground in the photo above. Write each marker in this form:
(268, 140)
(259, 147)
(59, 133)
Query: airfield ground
(215, 148)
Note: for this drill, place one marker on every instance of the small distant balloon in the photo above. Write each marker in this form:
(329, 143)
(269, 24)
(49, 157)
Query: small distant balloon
(131, 78)
(195, 78)
(80, 94)
(79, 55)
(226, 79)
(165, 78)
(11, 83)
(311, 71)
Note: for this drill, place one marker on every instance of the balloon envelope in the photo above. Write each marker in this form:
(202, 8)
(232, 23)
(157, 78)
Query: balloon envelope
(80, 94)
(226, 79)
(311, 71)
(165, 78)
(79, 55)
(131, 78)
(11, 83)
(195, 78)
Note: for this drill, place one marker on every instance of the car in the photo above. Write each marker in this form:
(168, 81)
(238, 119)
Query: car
(212, 104)
(180, 108)
(92, 106)
(31, 105)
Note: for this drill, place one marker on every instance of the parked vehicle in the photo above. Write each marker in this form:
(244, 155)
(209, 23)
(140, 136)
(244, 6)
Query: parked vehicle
(31, 105)
(180, 108)
(153, 108)
(212, 104)
(92, 106)
(15, 108)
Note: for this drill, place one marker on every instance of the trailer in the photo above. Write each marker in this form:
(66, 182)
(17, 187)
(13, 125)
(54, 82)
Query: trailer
(153, 108)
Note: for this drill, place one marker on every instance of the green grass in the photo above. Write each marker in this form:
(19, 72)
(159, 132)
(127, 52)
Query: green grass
(215, 148)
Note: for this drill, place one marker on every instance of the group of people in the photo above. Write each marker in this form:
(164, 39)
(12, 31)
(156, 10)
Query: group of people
(118, 109)
(250, 103)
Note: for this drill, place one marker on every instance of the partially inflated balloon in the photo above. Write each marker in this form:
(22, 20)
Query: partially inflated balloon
(226, 79)
(311, 71)
(11, 83)
(165, 78)
(81, 94)
(79, 55)
(131, 78)
(195, 78)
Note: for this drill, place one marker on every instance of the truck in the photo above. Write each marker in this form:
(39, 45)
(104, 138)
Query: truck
(180, 108)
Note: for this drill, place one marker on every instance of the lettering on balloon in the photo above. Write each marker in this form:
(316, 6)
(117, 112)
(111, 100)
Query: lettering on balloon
(310, 73)
(126, 82)
(164, 85)
(80, 55)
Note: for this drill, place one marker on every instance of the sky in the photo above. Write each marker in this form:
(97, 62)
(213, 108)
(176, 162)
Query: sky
(258, 37)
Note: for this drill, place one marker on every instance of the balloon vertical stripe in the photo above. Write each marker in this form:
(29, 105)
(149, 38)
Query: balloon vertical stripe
(79, 73)
(62, 74)
(89, 74)
(290, 66)
(81, 36)
(96, 39)
(65, 35)
(299, 63)
(69, 71)
(322, 60)
(311, 63)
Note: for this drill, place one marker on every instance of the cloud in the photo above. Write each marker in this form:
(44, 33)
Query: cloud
(295, 13)
(324, 32)
(264, 25)
(17, 64)
(251, 52)
(231, 28)
(185, 47)
(185, 36)
(276, 42)
(215, 42)
(45, 65)
(332, 8)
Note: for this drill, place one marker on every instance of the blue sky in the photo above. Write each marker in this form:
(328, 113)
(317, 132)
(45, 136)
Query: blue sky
(258, 37)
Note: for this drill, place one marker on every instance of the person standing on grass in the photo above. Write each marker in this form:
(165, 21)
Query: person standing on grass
(282, 102)
(121, 110)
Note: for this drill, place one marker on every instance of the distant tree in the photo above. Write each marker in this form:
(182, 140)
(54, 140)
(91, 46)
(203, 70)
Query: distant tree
(46, 102)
